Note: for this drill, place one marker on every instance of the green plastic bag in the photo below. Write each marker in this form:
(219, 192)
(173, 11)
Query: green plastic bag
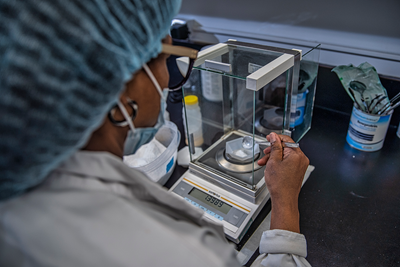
(363, 85)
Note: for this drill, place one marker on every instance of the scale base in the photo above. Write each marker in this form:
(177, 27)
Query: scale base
(240, 215)
(238, 219)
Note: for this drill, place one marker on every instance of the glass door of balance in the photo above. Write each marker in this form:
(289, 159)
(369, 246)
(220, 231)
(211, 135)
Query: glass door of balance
(240, 90)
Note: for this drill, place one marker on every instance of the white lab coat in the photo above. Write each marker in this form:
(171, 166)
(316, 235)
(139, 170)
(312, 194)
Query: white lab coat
(93, 210)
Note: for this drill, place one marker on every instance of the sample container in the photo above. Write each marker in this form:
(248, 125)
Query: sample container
(367, 132)
(193, 120)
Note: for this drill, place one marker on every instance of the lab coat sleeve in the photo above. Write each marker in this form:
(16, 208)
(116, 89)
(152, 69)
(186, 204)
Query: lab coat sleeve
(282, 248)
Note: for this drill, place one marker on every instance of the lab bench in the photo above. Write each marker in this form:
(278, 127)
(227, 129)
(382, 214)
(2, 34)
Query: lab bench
(350, 204)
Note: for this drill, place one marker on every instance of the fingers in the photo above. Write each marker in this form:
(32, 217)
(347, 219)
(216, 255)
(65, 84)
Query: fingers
(263, 160)
(276, 147)
(286, 138)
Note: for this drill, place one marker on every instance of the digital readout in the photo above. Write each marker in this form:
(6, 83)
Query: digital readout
(210, 201)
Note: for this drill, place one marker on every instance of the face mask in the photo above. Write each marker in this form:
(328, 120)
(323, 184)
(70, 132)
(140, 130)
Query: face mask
(141, 136)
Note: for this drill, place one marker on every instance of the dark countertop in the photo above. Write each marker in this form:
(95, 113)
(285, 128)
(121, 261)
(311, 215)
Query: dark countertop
(350, 205)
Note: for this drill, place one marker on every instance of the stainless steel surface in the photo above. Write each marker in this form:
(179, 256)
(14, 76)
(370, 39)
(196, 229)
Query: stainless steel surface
(216, 161)
(235, 167)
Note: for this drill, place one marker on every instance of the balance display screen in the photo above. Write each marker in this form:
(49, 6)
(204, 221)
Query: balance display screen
(211, 201)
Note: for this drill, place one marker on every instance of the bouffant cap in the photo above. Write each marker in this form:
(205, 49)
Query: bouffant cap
(63, 65)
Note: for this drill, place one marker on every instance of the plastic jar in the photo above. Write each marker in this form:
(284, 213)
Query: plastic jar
(192, 120)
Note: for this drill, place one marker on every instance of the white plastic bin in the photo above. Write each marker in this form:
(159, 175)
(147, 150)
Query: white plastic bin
(160, 169)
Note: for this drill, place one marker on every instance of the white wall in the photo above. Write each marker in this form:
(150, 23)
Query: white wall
(349, 31)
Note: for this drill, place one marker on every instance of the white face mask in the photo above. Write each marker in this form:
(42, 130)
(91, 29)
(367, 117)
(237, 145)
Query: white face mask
(141, 136)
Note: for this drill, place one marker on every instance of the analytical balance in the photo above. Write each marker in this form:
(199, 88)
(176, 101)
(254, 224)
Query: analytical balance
(242, 89)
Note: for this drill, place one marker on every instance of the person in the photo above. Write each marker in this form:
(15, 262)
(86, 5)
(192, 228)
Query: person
(82, 85)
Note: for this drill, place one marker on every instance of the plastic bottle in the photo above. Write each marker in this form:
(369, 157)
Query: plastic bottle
(193, 119)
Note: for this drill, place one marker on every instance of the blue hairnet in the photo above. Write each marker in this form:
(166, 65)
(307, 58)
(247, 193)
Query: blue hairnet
(63, 64)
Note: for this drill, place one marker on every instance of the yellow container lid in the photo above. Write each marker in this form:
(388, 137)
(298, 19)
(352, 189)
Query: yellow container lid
(191, 100)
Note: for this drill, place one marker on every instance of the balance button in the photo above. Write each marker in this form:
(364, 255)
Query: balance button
(210, 212)
(218, 217)
(182, 188)
(234, 218)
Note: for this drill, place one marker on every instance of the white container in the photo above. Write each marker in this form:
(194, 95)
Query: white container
(192, 120)
(160, 169)
(367, 132)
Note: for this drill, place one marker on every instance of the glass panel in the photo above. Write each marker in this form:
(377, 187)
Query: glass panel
(271, 111)
(255, 146)
(208, 89)
(306, 93)
(229, 112)
(227, 109)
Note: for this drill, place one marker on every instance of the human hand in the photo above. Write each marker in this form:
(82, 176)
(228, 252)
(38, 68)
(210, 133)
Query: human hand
(284, 173)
